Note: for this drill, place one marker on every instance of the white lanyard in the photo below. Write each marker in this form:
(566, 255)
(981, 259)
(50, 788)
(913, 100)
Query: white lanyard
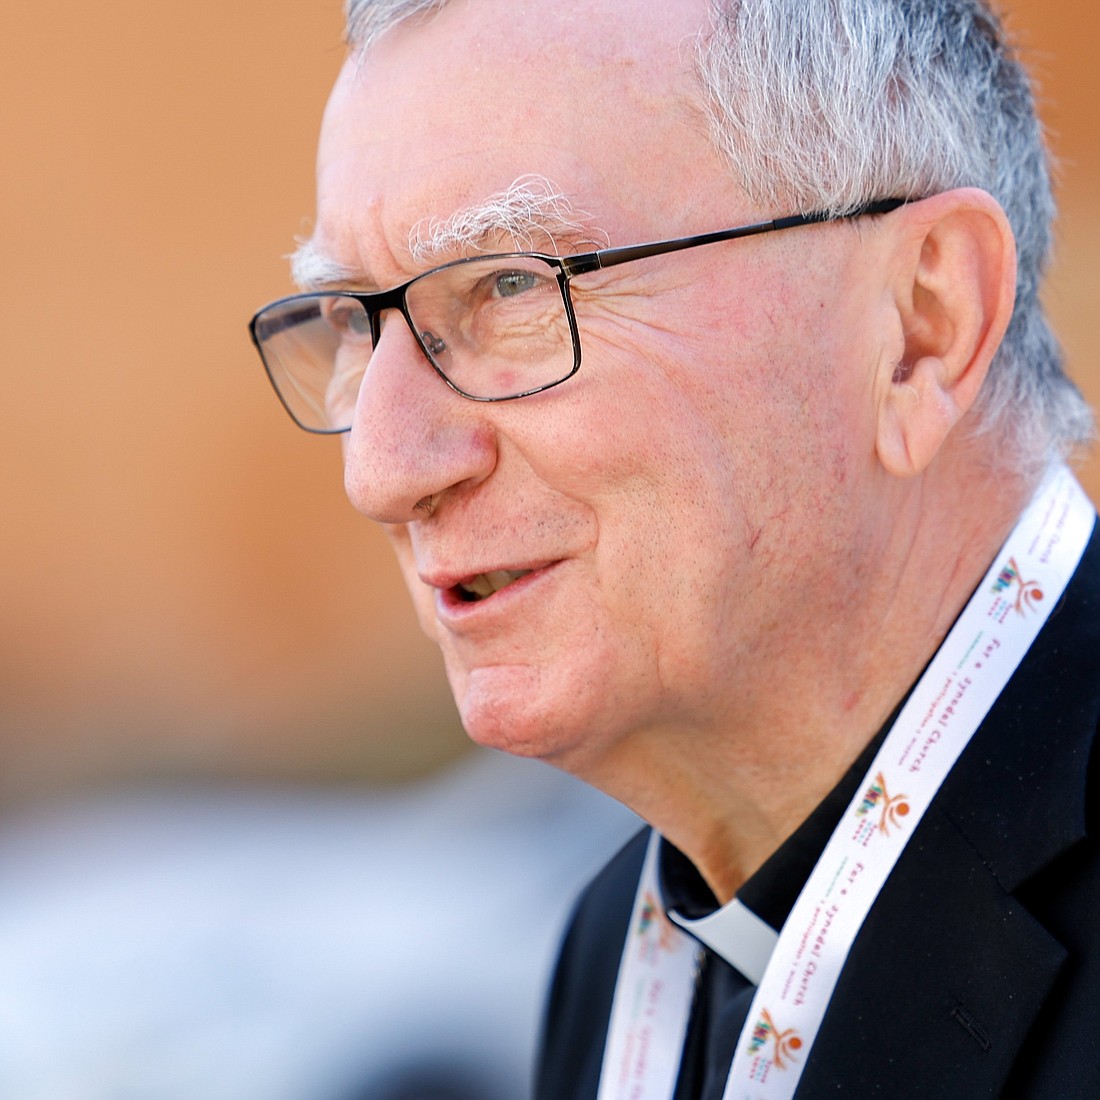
(654, 990)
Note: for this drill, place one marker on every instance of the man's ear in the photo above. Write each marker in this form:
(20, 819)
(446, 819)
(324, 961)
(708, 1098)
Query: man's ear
(954, 282)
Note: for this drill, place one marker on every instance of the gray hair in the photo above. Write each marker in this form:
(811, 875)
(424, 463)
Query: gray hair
(368, 20)
(829, 104)
(532, 212)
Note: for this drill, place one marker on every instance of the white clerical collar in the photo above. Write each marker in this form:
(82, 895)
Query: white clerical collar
(736, 933)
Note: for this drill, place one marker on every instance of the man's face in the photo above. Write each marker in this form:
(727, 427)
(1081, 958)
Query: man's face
(675, 506)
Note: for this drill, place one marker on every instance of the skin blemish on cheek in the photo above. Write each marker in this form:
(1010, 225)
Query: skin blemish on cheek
(774, 323)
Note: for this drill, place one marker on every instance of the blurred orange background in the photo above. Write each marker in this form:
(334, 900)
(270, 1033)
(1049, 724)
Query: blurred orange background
(183, 589)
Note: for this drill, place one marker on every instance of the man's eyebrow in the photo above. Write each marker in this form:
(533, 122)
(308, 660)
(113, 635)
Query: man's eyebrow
(531, 214)
(311, 269)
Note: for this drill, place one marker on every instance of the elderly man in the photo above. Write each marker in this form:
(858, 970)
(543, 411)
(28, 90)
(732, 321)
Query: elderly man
(691, 355)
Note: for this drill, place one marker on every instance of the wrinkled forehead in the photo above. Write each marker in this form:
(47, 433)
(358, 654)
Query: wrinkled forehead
(439, 114)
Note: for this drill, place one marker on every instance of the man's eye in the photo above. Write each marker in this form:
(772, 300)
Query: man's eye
(510, 283)
(348, 318)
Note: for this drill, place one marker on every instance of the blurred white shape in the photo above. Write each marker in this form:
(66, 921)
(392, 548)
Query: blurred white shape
(238, 943)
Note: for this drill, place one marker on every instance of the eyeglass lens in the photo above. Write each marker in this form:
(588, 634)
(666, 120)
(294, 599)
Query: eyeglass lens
(494, 328)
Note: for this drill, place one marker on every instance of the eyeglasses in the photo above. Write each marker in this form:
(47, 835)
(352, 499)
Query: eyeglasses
(494, 328)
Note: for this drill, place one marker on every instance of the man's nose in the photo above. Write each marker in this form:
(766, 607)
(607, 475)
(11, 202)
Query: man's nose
(413, 438)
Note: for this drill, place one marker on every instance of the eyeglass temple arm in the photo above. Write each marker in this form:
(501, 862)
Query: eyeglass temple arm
(610, 257)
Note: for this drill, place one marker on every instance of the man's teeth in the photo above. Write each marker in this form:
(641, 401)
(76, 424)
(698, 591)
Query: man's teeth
(485, 584)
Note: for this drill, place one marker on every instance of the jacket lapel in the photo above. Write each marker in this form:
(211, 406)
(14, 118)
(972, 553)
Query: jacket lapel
(942, 985)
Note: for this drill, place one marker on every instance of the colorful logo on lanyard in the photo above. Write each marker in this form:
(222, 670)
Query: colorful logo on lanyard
(652, 919)
(786, 1043)
(1029, 592)
(892, 808)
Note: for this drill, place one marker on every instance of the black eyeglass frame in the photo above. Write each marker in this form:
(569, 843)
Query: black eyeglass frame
(567, 268)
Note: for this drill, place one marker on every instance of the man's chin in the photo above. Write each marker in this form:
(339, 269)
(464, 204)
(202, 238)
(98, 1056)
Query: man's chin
(513, 709)
(522, 731)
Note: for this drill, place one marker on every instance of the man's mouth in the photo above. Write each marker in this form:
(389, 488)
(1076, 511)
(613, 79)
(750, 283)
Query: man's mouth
(485, 584)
